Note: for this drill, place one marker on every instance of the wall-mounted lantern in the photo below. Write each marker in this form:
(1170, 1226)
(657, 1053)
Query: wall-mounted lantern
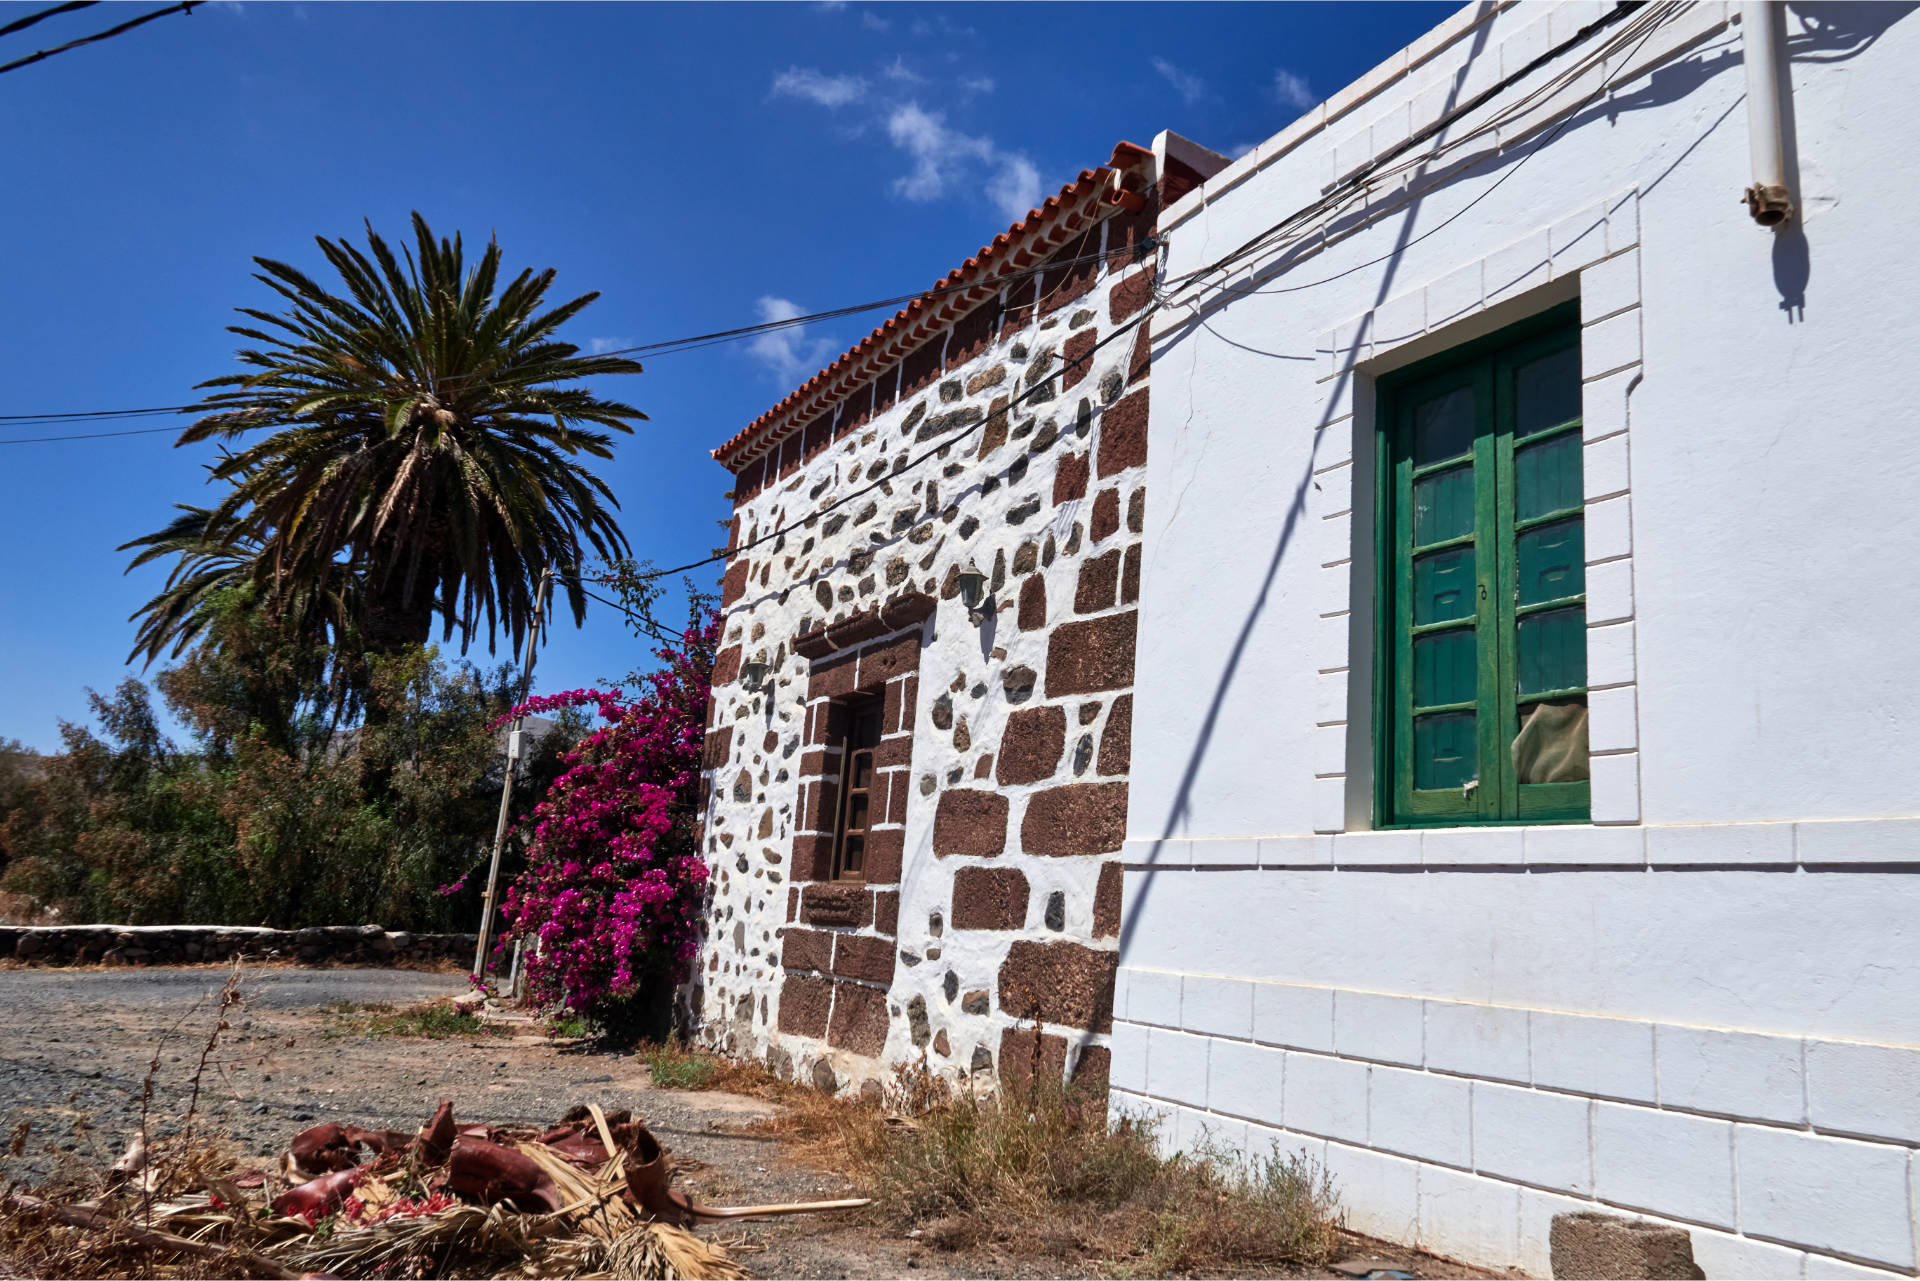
(973, 590)
(753, 674)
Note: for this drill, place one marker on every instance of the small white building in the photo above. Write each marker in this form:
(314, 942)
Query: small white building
(1523, 801)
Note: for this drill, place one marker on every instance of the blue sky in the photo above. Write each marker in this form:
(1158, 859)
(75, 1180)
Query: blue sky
(702, 166)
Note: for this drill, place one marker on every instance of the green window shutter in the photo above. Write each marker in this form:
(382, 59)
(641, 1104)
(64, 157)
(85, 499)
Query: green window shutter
(1482, 668)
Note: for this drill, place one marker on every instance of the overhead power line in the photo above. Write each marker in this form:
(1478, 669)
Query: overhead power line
(21, 24)
(670, 346)
(90, 435)
(1357, 183)
(185, 6)
(1227, 259)
(1346, 191)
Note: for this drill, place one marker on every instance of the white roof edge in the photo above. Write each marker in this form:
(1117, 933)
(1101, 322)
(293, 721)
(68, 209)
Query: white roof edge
(1337, 107)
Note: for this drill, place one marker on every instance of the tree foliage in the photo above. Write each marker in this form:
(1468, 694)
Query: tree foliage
(272, 814)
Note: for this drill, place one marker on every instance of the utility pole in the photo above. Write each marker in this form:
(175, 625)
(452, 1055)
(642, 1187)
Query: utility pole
(506, 784)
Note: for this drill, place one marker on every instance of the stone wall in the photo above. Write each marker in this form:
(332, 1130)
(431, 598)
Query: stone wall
(191, 944)
(990, 906)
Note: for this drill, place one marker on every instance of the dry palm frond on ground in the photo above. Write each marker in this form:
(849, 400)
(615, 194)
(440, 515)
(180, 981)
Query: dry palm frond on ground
(193, 1214)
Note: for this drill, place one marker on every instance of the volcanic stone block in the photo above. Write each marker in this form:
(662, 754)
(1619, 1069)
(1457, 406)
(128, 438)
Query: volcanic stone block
(845, 905)
(886, 912)
(807, 950)
(1079, 818)
(863, 956)
(1123, 434)
(1105, 521)
(1022, 1055)
(1070, 478)
(804, 1003)
(1075, 352)
(1063, 983)
(1031, 747)
(1589, 1245)
(990, 898)
(1091, 654)
(859, 1019)
(1033, 604)
(1116, 741)
(1106, 902)
(970, 822)
(1099, 577)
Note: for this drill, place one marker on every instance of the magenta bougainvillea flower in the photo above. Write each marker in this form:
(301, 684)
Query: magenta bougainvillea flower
(615, 884)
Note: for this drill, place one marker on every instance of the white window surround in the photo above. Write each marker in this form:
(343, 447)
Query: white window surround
(1593, 255)
(1596, 252)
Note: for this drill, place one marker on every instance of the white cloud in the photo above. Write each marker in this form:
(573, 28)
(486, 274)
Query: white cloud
(873, 21)
(1293, 91)
(941, 26)
(980, 84)
(814, 86)
(787, 352)
(831, 6)
(945, 158)
(900, 71)
(1190, 87)
(1240, 149)
(937, 151)
(601, 346)
(1015, 188)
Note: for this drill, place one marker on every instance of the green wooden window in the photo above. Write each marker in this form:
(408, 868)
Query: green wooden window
(1484, 641)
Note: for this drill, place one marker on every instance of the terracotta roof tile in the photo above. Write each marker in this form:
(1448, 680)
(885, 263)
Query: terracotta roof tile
(863, 358)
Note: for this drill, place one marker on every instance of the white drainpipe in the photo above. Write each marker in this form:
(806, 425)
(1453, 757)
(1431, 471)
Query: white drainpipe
(1767, 199)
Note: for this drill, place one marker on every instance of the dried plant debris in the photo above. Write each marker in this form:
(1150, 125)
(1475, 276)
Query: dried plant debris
(589, 1197)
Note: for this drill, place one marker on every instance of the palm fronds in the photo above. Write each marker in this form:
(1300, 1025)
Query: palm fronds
(425, 455)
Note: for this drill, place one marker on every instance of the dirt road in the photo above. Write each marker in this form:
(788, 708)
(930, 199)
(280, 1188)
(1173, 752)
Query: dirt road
(75, 1046)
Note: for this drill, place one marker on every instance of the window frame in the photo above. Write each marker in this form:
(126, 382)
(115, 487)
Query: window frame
(856, 711)
(1486, 363)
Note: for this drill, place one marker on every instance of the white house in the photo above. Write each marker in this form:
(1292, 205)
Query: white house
(1523, 803)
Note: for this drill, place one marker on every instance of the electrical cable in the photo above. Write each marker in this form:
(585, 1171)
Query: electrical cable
(91, 435)
(1354, 184)
(931, 450)
(1456, 214)
(672, 346)
(21, 24)
(1255, 244)
(1350, 188)
(86, 415)
(1363, 183)
(1146, 314)
(639, 619)
(185, 6)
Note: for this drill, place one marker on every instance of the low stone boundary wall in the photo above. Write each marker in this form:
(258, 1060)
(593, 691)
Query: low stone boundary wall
(187, 944)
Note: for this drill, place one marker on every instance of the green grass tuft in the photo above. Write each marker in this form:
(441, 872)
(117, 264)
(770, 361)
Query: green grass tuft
(434, 1020)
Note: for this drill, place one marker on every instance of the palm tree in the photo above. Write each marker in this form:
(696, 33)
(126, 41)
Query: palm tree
(216, 565)
(424, 448)
(298, 644)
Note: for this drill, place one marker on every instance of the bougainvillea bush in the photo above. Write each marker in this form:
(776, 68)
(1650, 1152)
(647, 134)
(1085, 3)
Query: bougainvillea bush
(614, 883)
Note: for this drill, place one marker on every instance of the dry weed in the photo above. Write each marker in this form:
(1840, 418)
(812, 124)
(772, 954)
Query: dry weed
(1038, 1170)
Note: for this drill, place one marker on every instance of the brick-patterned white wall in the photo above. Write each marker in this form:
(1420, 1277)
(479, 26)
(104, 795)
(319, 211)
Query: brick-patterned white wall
(842, 987)
(1703, 1006)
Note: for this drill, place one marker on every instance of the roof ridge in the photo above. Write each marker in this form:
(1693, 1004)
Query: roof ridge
(858, 360)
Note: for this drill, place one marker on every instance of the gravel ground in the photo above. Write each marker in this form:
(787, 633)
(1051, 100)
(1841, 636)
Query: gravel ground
(77, 1046)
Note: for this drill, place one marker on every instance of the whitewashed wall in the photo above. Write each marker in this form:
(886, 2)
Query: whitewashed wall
(1705, 1006)
(1041, 497)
